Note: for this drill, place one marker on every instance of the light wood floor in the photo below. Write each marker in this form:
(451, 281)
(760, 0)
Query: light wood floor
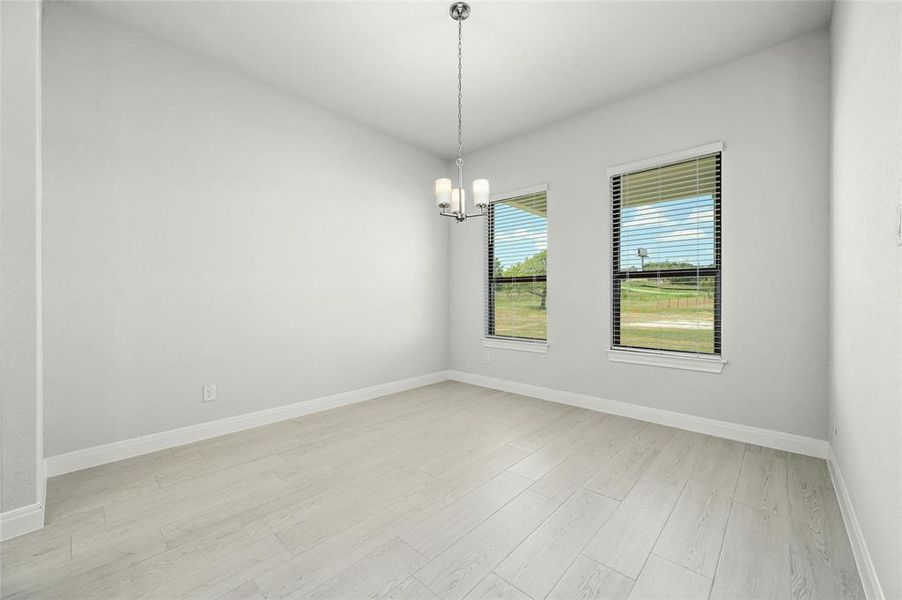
(448, 491)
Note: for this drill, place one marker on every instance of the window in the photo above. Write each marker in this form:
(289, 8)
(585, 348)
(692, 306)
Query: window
(517, 286)
(666, 258)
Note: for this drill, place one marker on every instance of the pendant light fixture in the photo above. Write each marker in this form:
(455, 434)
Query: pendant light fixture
(453, 200)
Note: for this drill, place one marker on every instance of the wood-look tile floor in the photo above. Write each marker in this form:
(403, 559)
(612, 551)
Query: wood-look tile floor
(448, 491)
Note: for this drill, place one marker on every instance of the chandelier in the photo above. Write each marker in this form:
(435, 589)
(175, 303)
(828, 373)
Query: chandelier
(453, 200)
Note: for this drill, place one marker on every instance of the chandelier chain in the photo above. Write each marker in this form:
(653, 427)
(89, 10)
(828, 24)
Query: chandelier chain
(460, 98)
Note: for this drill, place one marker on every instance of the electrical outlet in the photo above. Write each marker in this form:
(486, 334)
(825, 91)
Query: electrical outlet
(899, 223)
(486, 357)
(209, 392)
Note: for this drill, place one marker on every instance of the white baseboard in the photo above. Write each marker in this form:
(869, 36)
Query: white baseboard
(107, 453)
(26, 519)
(21, 521)
(741, 433)
(866, 571)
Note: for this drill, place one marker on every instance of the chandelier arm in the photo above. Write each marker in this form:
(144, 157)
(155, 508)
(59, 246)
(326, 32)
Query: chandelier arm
(461, 217)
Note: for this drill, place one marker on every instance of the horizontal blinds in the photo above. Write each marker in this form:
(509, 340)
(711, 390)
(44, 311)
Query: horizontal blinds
(666, 257)
(664, 217)
(516, 284)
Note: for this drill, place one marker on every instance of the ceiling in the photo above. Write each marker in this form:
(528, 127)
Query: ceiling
(393, 65)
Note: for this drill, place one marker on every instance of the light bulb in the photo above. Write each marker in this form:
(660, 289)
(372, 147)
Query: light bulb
(481, 193)
(443, 193)
(458, 201)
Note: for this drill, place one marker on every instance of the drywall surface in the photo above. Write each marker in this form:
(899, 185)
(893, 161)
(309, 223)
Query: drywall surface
(771, 110)
(19, 189)
(866, 274)
(204, 228)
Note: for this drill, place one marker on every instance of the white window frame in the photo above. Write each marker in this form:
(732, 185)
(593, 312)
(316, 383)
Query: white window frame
(506, 343)
(664, 358)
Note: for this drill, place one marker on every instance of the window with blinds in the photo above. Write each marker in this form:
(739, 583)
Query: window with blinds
(666, 288)
(517, 286)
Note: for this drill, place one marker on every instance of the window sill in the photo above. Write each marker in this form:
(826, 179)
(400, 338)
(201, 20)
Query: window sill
(667, 360)
(523, 346)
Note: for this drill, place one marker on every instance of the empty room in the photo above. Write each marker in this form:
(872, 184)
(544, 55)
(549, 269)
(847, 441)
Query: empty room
(443, 300)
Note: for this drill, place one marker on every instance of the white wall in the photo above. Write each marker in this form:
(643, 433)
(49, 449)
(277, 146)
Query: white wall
(203, 228)
(771, 110)
(19, 255)
(866, 282)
